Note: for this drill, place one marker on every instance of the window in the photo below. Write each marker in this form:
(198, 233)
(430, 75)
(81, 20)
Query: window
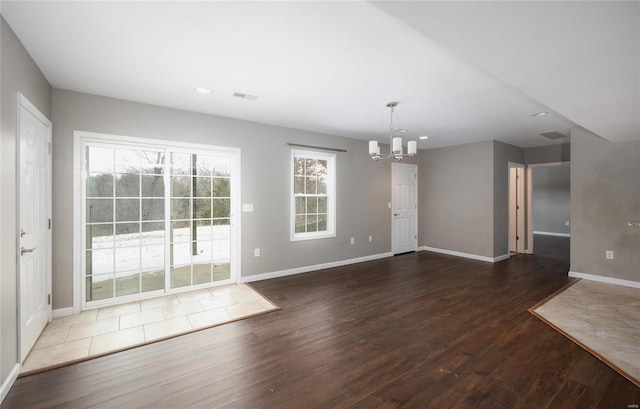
(313, 197)
(156, 219)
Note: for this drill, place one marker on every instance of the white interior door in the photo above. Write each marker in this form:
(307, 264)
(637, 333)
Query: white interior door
(404, 206)
(34, 250)
(516, 208)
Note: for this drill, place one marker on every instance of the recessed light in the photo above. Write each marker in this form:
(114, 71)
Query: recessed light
(423, 137)
(543, 113)
(401, 130)
(203, 90)
(245, 96)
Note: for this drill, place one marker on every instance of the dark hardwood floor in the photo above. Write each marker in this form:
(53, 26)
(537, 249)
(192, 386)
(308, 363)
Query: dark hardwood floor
(419, 330)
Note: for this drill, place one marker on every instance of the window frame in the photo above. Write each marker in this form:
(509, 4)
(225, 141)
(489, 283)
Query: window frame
(331, 195)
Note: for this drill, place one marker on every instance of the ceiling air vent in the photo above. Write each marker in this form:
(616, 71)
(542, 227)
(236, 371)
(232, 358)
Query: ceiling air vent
(553, 135)
(245, 96)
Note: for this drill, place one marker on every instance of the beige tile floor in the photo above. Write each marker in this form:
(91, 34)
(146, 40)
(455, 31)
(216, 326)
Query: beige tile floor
(603, 317)
(103, 330)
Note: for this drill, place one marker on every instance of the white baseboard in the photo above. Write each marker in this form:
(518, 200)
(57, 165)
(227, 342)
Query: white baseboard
(306, 269)
(603, 279)
(466, 255)
(62, 312)
(549, 233)
(8, 383)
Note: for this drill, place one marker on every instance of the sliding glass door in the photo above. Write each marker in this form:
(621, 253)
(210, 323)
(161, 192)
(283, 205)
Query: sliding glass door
(156, 220)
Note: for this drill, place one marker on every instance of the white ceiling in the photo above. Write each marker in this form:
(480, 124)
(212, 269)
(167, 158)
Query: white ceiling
(331, 67)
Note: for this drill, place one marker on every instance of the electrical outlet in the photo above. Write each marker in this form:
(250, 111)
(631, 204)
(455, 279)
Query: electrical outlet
(256, 253)
(566, 223)
(609, 254)
(353, 240)
(370, 239)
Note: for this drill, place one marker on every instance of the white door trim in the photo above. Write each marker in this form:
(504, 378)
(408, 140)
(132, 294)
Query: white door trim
(415, 196)
(23, 102)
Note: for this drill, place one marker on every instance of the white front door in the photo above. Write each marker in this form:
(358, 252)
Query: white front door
(34, 249)
(404, 206)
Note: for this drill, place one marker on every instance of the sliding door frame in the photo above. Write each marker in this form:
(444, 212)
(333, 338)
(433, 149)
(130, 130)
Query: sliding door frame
(80, 138)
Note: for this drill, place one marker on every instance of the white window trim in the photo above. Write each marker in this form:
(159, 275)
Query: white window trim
(331, 195)
(79, 140)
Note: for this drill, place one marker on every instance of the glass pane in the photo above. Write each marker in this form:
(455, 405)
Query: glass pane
(180, 209)
(221, 187)
(221, 229)
(312, 205)
(127, 234)
(180, 186)
(301, 205)
(152, 186)
(322, 222)
(152, 162)
(180, 231)
(99, 185)
(99, 236)
(221, 166)
(322, 185)
(153, 280)
(300, 224)
(309, 166)
(99, 287)
(99, 160)
(127, 258)
(127, 210)
(180, 276)
(312, 223)
(298, 184)
(180, 163)
(221, 250)
(99, 210)
(127, 283)
(203, 187)
(128, 185)
(152, 257)
(202, 251)
(99, 261)
(321, 166)
(298, 166)
(153, 233)
(152, 209)
(311, 185)
(181, 253)
(221, 271)
(221, 207)
(127, 161)
(202, 273)
(204, 164)
(322, 205)
(203, 230)
(201, 208)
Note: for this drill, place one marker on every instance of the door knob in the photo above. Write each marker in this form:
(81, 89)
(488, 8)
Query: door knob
(396, 214)
(23, 250)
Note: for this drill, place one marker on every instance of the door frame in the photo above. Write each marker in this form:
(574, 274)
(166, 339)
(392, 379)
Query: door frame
(529, 248)
(78, 180)
(415, 196)
(23, 102)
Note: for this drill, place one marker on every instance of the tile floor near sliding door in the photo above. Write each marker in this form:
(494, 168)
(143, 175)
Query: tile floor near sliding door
(103, 330)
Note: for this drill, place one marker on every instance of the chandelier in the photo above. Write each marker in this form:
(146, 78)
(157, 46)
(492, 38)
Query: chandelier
(395, 143)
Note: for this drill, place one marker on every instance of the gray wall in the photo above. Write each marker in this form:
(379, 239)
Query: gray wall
(456, 198)
(502, 154)
(19, 73)
(551, 198)
(605, 195)
(548, 154)
(363, 186)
